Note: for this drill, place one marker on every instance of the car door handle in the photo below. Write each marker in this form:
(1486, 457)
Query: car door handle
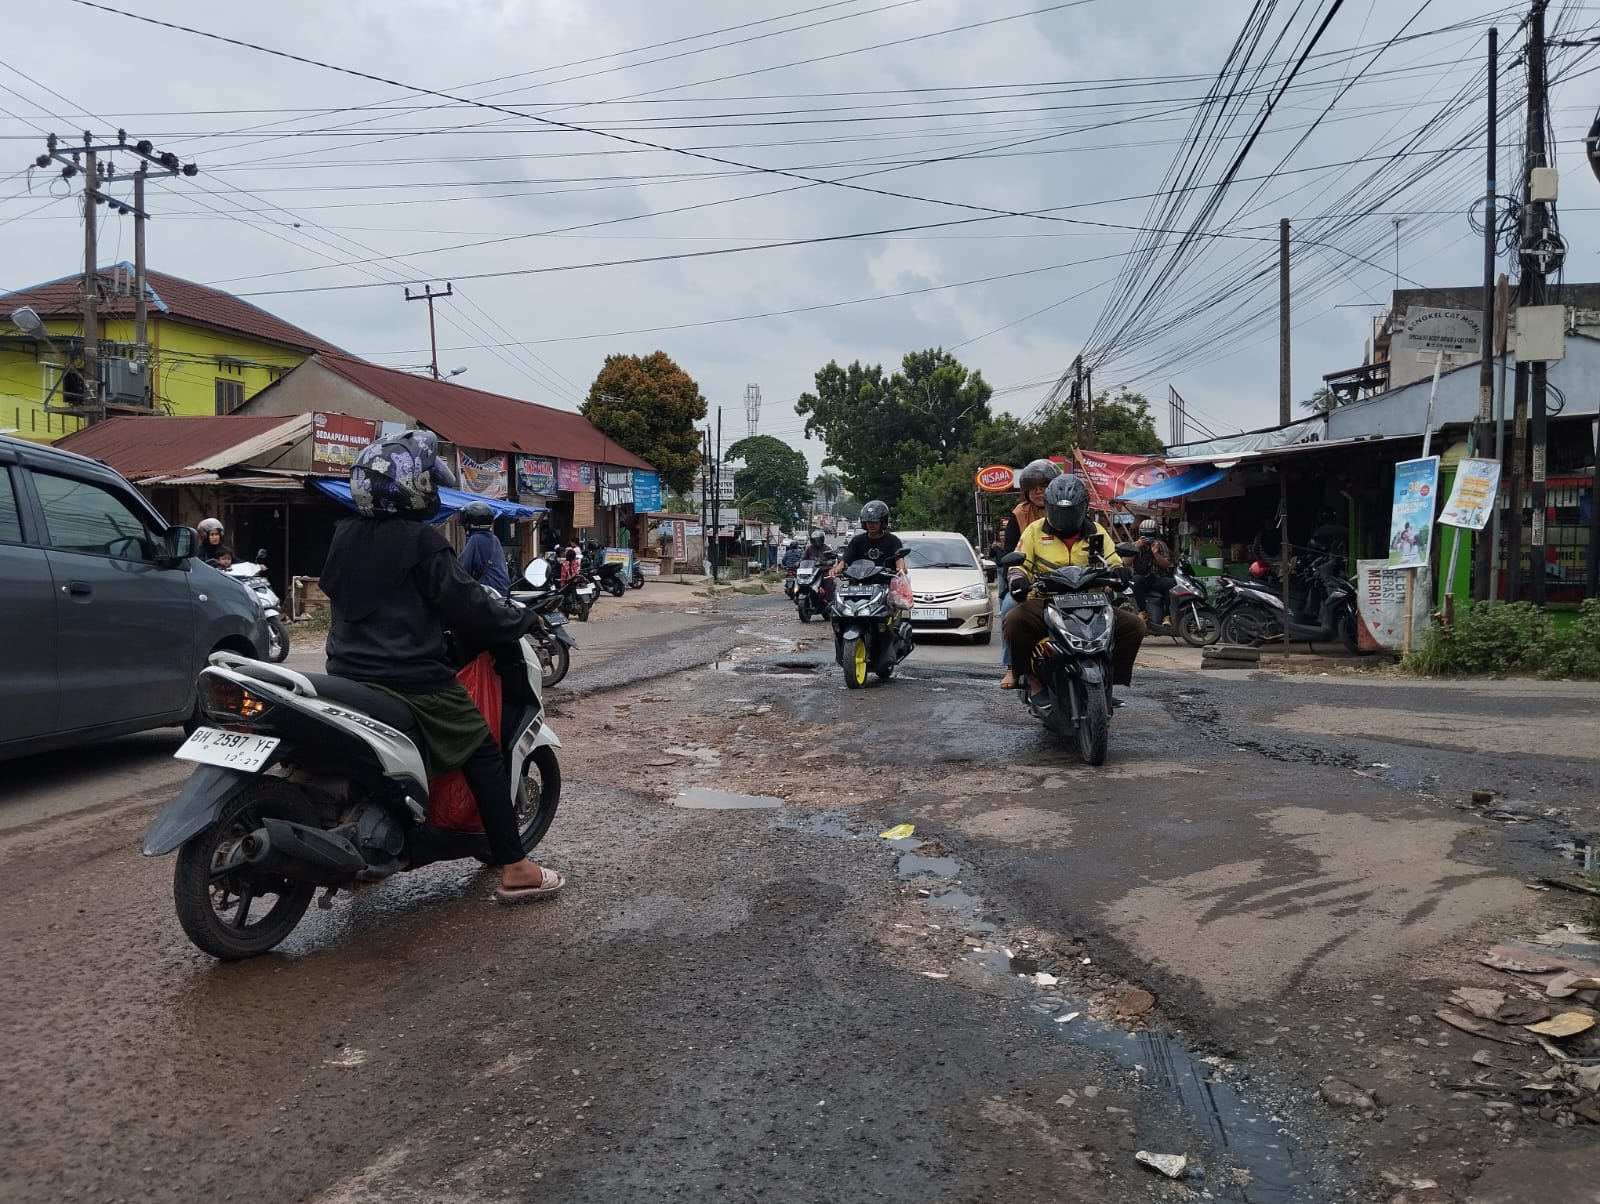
(77, 589)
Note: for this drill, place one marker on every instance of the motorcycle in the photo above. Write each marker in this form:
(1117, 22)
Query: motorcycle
(1073, 663)
(871, 628)
(636, 577)
(551, 639)
(1187, 614)
(254, 576)
(1252, 611)
(813, 589)
(609, 577)
(305, 780)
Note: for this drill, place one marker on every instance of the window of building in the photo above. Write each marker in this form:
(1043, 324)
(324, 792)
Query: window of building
(80, 517)
(230, 395)
(10, 520)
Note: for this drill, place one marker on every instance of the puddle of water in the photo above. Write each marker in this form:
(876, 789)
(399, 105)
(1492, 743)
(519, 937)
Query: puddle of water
(698, 798)
(914, 865)
(955, 900)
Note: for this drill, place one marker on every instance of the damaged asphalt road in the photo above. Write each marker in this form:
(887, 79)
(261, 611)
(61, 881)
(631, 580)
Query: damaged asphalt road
(1273, 882)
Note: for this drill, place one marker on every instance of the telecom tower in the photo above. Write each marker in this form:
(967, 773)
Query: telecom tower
(752, 409)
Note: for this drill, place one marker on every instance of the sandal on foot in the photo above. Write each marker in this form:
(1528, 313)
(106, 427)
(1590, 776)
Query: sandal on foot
(1008, 681)
(549, 884)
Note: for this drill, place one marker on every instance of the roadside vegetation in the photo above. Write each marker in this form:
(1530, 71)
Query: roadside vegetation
(1504, 638)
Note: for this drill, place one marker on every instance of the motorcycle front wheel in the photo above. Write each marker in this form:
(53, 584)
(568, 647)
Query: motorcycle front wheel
(854, 659)
(538, 796)
(803, 607)
(1350, 632)
(1198, 626)
(277, 641)
(1094, 727)
(615, 588)
(228, 909)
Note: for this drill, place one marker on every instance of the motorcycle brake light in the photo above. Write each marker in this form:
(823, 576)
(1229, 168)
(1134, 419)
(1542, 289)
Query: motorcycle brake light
(224, 696)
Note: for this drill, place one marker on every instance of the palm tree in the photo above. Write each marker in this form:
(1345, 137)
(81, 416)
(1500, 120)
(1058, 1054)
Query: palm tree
(828, 488)
(1322, 401)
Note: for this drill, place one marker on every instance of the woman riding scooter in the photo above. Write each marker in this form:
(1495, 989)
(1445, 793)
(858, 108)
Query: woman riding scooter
(396, 587)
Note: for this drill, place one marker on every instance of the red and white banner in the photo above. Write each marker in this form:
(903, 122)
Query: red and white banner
(1109, 477)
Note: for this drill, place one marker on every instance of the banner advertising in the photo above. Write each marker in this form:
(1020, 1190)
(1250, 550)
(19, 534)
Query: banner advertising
(646, 491)
(485, 477)
(622, 556)
(1471, 500)
(1381, 602)
(997, 478)
(336, 441)
(616, 487)
(680, 541)
(536, 474)
(1109, 477)
(1416, 488)
(574, 476)
(583, 509)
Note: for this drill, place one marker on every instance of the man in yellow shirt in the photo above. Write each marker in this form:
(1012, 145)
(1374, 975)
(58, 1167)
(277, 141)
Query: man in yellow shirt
(1061, 538)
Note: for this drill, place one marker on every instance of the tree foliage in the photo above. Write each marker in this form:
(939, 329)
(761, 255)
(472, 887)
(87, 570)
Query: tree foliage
(773, 471)
(649, 406)
(1321, 402)
(880, 429)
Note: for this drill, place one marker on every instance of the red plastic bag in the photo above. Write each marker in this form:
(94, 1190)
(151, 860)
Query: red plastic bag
(900, 596)
(451, 807)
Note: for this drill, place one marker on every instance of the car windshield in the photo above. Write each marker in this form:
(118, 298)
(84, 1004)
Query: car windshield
(949, 552)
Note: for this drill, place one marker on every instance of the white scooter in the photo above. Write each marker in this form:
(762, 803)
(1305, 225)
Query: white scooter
(306, 780)
(254, 575)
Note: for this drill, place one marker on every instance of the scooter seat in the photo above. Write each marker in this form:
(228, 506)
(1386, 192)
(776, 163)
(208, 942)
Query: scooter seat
(382, 707)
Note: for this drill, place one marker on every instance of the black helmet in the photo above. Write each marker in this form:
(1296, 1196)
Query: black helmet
(476, 516)
(399, 477)
(1038, 472)
(592, 546)
(817, 537)
(875, 512)
(1066, 505)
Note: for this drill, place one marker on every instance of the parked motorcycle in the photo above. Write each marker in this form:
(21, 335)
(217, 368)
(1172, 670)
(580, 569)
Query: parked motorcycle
(636, 577)
(305, 780)
(254, 575)
(871, 630)
(551, 639)
(1073, 664)
(1251, 611)
(1185, 611)
(610, 578)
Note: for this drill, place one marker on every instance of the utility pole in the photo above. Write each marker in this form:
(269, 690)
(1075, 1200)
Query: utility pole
(752, 409)
(1481, 433)
(1534, 266)
(705, 499)
(96, 174)
(1285, 414)
(716, 560)
(430, 297)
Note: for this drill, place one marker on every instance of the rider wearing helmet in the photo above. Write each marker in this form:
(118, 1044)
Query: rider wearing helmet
(211, 544)
(874, 542)
(483, 557)
(1152, 569)
(396, 587)
(1031, 483)
(1063, 537)
(816, 545)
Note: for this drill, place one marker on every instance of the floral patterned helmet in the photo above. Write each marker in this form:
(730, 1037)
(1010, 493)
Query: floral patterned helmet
(399, 477)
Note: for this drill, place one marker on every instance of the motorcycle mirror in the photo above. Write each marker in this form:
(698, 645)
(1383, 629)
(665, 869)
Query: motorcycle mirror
(261, 555)
(537, 573)
(1097, 544)
(1012, 559)
(1127, 549)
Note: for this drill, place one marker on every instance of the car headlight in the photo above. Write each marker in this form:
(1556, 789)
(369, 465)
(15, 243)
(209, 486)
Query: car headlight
(975, 593)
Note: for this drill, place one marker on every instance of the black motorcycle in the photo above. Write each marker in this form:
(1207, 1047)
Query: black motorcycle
(813, 588)
(1073, 663)
(551, 639)
(609, 577)
(1252, 611)
(636, 576)
(870, 633)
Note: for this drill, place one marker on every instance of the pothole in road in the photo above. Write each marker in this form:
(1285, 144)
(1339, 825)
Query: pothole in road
(699, 798)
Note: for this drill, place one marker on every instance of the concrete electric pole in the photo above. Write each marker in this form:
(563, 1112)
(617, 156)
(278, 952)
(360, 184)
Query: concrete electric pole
(430, 297)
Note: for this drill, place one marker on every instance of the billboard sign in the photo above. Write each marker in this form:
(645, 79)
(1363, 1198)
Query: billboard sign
(336, 441)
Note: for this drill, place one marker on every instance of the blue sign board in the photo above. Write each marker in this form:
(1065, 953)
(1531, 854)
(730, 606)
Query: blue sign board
(646, 492)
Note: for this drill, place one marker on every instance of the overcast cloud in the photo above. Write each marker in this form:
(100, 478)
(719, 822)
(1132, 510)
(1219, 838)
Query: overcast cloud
(276, 206)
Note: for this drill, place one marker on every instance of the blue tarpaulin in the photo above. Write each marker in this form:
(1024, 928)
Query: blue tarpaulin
(450, 500)
(1184, 482)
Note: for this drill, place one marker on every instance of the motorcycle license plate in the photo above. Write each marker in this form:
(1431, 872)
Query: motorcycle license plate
(929, 614)
(231, 750)
(1074, 601)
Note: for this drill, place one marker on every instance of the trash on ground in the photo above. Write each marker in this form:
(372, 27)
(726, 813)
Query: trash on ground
(1487, 1029)
(898, 832)
(1041, 979)
(1567, 1024)
(933, 974)
(1480, 1001)
(1070, 1016)
(1170, 1165)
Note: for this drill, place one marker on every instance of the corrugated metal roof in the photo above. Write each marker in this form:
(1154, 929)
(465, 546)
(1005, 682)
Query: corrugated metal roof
(170, 296)
(472, 418)
(143, 448)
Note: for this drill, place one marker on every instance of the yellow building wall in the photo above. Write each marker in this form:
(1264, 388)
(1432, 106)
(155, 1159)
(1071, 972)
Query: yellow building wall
(187, 362)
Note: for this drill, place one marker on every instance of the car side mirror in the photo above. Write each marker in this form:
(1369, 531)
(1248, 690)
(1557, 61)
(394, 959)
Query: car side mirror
(1011, 559)
(538, 573)
(179, 543)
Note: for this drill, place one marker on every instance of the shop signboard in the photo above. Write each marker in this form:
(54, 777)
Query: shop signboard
(574, 476)
(583, 509)
(997, 478)
(1471, 499)
(1416, 490)
(485, 477)
(336, 441)
(616, 487)
(1381, 601)
(680, 541)
(1109, 476)
(646, 491)
(536, 474)
(622, 556)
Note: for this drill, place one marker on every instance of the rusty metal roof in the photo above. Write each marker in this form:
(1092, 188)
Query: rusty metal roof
(472, 418)
(157, 447)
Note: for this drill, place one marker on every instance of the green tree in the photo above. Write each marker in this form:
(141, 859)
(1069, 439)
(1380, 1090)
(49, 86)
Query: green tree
(1322, 401)
(827, 488)
(880, 429)
(774, 471)
(650, 406)
(1123, 426)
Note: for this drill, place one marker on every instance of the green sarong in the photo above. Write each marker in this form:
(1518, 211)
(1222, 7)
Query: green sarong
(452, 726)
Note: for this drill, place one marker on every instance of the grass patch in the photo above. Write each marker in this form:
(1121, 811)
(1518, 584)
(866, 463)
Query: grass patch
(1510, 637)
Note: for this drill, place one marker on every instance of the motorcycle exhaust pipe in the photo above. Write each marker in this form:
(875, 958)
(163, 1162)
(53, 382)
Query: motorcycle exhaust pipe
(300, 853)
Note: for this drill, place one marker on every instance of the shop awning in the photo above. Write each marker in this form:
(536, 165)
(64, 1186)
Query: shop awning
(1185, 482)
(450, 500)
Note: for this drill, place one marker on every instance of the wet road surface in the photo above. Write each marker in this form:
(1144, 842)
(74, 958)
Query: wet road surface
(737, 1002)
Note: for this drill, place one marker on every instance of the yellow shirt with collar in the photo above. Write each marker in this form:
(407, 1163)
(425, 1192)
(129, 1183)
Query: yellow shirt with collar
(1045, 551)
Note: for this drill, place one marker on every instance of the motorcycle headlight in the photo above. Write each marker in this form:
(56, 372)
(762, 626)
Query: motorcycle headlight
(975, 593)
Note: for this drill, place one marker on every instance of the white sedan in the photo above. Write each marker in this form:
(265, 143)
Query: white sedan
(948, 587)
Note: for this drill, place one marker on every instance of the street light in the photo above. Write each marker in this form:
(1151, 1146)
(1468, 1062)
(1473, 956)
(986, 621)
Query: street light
(29, 322)
(454, 372)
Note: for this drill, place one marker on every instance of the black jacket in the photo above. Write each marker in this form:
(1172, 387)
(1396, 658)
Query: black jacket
(396, 587)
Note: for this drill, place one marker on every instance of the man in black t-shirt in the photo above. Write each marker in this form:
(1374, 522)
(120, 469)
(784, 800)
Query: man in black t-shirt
(875, 541)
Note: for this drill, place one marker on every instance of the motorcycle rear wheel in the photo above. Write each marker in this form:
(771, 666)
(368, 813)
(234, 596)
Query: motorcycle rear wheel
(1094, 728)
(1349, 632)
(277, 641)
(854, 659)
(220, 911)
(559, 661)
(1198, 626)
(1249, 627)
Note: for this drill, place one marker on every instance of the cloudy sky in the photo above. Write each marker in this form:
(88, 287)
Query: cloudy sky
(1020, 182)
